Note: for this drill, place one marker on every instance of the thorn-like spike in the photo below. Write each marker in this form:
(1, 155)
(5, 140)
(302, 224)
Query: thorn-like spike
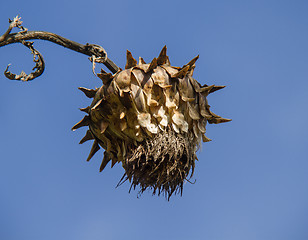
(223, 120)
(106, 160)
(153, 65)
(130, 61)
(192, 62)
(163, 52)
(216, 88)
(205, 89)
(87, 137)
(86, 110)
(94, 149)
(141, 61)
(113, 161)
(105, 77)
(84, 122)
(162, 58)
(90, 93)
(218, 119)
(205, 138)
(181, 73)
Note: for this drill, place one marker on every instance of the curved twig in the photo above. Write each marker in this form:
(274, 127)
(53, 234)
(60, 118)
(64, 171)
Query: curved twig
(39, 66)
(96, 52)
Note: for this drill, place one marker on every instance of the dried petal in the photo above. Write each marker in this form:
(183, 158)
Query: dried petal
(144, 119)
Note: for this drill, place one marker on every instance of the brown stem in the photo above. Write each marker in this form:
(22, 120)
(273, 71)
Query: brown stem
(87, 49)
(39, 66)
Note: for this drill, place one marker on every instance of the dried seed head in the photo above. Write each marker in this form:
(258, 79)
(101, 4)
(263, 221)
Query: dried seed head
(151, 117)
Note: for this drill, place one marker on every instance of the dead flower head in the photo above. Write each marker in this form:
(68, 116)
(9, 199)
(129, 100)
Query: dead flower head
(151, 118)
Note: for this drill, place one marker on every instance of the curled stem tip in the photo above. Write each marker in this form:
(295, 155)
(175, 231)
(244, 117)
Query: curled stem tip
(39, 66)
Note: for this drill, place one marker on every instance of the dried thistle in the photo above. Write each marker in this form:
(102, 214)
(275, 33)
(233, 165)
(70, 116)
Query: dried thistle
(151, 118)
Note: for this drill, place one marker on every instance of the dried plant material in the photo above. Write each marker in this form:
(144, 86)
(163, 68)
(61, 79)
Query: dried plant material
(151, 118)
(161, 163)
(97, 53)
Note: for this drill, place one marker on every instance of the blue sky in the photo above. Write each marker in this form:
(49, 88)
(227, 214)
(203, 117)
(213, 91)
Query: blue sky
(251, 180)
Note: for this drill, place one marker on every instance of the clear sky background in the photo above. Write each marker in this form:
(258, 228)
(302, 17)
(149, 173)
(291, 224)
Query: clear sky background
(251, 180)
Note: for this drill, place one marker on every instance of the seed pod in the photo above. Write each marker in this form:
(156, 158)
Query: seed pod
(151, 118)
